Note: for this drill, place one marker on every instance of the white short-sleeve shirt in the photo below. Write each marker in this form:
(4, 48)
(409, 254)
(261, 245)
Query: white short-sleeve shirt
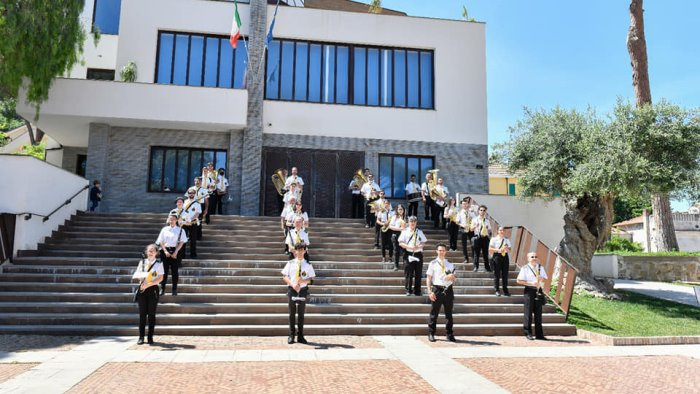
(437, 271)
(170, 236)
(527, 273)
(294, 271)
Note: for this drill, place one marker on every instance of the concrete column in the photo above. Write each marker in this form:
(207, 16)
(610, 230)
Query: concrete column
(97, 157)
(235, 164)
(252, 135)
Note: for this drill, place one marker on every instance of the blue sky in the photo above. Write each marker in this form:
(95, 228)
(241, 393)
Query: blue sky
(543, 53)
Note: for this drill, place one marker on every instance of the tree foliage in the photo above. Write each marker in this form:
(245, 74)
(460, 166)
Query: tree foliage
(630, 207)
(39, 40)
(9, 120)
(38, 151)
(375, 7)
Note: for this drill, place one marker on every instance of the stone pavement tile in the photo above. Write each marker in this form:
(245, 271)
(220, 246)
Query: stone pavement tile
(645, 374)
(23, 343)
(380, 376)
(218, 356)
(9, 371)
(28, 357)
(189, 356)
(170, 342)
(512, 341)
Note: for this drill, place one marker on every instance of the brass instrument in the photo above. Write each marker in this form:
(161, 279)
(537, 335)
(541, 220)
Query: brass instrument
(359, 178)
(432, 182)
(278, 181)
(385, 227)
(453, 215)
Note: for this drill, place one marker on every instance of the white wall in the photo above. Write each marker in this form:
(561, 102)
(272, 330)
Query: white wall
(34, 186)
(103, 55)
(545, 219)
(460, 65)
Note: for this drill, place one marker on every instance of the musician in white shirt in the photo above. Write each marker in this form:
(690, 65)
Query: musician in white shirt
(440, 278)
(357, 200)
(297, 274)
(221, 190)
(171, 239)
(532, 275)
(294, 178)
(370, 190)
(412, 241)
(383, 219)
(296, 236)
(150, 272)
(397, 224)
(292, 192)
(441, 196)
(499, 246)
(411, 188)
(450, 215)
(427, 201)
(193, 227)
(481, 226)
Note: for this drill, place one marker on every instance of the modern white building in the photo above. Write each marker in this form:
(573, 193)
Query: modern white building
(334, 91)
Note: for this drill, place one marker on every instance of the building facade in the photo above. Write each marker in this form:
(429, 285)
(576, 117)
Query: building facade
(333, 91)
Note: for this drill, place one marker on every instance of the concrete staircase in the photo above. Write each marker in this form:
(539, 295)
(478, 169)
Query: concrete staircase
(79, 282)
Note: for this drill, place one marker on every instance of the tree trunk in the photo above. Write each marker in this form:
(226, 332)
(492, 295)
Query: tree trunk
(664, 235)
(587, 223)
(637, 48)
(30, 132)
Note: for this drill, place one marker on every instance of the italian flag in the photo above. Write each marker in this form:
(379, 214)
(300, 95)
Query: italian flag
(235, 27)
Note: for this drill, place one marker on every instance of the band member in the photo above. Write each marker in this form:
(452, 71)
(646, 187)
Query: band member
(288, 209)
(171, 240)
(221, 190)
(213, 199)
(378, 207)
(481, 227)
(210, 177)
(532, 275)
(292, 192)
(383, 219)
(464, 223)
(370, 191)
(440, 277)
(202, 196)
(357, 199)
(295, 178)
(427, 200)
(192, 212)
(450, 215)
(298, 274)
(297, 210)
(396, 225)
(499, 246)
(441, 195)
(298, 235)
(411, 189)
(150, 272)
(412, 240)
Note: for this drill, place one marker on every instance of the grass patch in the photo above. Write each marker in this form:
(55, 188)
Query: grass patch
(636, 315)
(673, 253)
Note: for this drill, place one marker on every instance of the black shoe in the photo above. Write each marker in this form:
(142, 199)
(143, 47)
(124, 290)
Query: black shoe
(431, 337)
(507, 294)
(451, 338)
(174, 292)
(542, 338)
(418, 294)
(290, 340)
(302, 340)
(193, 256)
(150, 341)
(530, 337)
(140, 341)
(498, 293)
(408, 293)
(162, 291)
(475, 269)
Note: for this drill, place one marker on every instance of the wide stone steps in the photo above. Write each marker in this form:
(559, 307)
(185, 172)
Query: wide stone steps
(78, 282)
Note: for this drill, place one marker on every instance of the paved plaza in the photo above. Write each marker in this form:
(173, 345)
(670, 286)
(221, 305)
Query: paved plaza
(341, 364)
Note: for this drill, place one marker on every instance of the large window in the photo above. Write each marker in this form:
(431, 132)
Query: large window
(174, 169)
(349, 74)
(395, 172)
(200, 60)
(105, 16)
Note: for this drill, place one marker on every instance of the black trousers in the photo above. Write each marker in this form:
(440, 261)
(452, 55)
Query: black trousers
(148, 301)
(452, 231)
(213, 205)
(370, 217)
(444, 298)
(191, 232)
(297, 310)
(500, 271)
(397, 248)
(171, 264)
(220, 203)
(481, 246)
(532, 306)
(438, 211)
(428, 207)
(280, 204)
(377, 234)
(413, 208)
(357, 201)
(412, 272)
(387, 244)
(466, 239)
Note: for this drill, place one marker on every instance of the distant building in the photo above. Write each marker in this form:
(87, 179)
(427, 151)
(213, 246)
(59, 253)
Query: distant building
(687, 227)
(501, 181)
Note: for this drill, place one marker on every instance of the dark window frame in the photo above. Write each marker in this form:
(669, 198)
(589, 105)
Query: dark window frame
(94, 14)
(407, 175)
(100, 71)
(204, 36)
(176, 149)
(350, 67)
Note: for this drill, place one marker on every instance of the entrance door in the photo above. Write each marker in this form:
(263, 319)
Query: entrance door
(326, 175)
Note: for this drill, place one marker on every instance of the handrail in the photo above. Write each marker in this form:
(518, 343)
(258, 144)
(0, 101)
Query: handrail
(555, 265)
(28, 215)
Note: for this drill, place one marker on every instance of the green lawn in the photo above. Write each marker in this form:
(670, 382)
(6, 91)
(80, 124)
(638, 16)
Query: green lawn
(634, 315)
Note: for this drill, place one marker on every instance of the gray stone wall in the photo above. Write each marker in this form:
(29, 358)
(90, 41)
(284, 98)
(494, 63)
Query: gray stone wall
(70, 157)
(123, 166)
(457, 162)
(659, 268)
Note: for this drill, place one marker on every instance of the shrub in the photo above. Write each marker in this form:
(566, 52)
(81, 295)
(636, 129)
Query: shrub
(618, 244)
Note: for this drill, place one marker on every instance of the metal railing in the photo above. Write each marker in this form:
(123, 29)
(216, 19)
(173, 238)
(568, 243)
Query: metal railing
(28, 215)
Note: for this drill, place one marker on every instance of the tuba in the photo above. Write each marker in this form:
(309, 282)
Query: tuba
(279, 181)
(431, 184)
(359, 178)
